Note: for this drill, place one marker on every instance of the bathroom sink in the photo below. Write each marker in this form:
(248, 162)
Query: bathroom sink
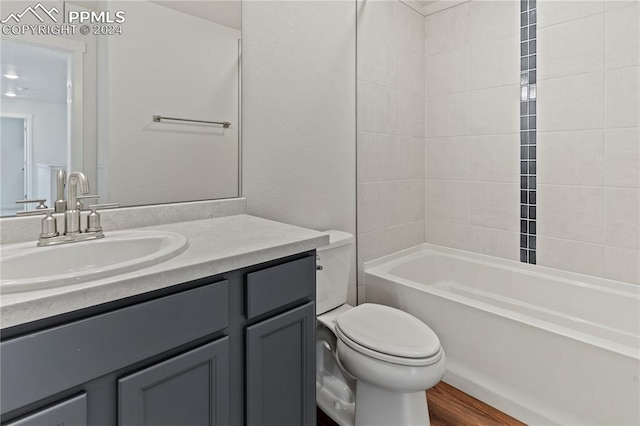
(26, 267)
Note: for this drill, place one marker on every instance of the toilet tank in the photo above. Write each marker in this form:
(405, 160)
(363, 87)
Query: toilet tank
(332, 280)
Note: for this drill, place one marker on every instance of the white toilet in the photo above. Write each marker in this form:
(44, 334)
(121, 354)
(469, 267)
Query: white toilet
(374, 362)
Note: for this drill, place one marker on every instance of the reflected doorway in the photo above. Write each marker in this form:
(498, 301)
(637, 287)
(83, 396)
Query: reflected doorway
(14, 159)
(35, 113)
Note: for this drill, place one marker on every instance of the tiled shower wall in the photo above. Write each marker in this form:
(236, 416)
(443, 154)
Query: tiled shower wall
(473, 142)
(588, 136)
(391, 126)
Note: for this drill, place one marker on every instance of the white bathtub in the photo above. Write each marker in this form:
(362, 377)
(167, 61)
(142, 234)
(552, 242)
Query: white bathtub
(545, 346)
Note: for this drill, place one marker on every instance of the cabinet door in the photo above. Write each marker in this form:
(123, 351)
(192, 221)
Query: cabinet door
(191, 389)
(281, 369)
(71, 412)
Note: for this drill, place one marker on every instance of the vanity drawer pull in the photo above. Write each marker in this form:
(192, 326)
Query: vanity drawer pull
(279, 285)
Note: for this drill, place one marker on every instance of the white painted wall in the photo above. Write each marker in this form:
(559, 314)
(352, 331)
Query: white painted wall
(391, 129)
(299, 113)
(171, 64)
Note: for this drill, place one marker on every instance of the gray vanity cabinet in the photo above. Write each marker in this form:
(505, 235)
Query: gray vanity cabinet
(232, 349)
(189, 389)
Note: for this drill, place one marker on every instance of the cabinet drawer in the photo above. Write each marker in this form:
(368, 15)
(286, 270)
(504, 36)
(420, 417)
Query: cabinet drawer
(67, 413)
(279, 285)
(50, 361)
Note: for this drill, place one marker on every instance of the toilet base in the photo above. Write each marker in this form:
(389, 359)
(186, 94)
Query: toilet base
(380, 407)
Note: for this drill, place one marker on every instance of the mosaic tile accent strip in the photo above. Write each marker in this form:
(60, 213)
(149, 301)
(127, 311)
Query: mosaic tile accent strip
(528, 95)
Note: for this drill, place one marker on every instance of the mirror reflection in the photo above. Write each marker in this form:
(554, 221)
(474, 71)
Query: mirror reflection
(87, 102)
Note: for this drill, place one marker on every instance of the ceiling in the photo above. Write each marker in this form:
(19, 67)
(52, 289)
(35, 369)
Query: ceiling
(42, 72)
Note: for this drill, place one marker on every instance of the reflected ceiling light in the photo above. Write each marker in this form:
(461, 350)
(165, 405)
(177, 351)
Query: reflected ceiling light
(10, 94)
(11, 76)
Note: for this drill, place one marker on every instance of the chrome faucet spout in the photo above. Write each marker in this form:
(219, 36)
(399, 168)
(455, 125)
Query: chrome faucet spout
(61, 181)
(72, 214)
(76, 178)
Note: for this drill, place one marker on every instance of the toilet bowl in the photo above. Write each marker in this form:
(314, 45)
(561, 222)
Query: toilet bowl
(374, 362)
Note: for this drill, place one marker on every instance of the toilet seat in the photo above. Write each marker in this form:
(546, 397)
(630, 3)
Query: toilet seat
(388, 334)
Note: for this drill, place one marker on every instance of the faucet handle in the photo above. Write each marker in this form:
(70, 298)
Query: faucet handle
(35, 212)
(49, 224)
(41, 202)
(94, 207)
(81, 198)
(93, 219)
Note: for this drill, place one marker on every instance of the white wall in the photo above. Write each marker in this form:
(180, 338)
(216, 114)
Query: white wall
(171, 64)
(391, 129)
(472, 155)
(299, 113)
(589, 137)
(49, 128)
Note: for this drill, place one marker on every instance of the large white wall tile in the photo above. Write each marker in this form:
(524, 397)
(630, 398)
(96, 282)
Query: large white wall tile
(376, 161)
(491, 20)
(419, 113)
(571, 158)
(495, 158)
(372, 245)
(571, 103)
(403, 122)
(622, 217)
(494, 111)
(622, 157)
(376, 17)
(448, 115)
(376, 53)
(622, 37)
(448, 29)
(571, 212)
(622, 102)
(418, 159)
(622, 264)
(376, 108)
(571, 48)
(404, 158)
(494, 205)
(617, 4)
(448, 72)
(573, 256)
(494, 242)
(371, 207)
(448, 200)
(496, 63)
(391, 129)
(447, 158)
(449, 234)
(551, 12)
(398, 202)
(418, 194)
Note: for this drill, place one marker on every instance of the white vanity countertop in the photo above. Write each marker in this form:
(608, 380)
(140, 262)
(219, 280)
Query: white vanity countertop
(215, 246)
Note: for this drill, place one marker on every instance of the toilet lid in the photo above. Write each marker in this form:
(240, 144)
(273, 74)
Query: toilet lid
(388, 330)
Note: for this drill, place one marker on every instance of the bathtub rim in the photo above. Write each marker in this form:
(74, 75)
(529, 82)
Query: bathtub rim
(380, 268)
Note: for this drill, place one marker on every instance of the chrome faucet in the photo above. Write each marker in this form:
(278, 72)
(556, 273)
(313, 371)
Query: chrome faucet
(72, 232)
(72, 214)
(61, 181)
